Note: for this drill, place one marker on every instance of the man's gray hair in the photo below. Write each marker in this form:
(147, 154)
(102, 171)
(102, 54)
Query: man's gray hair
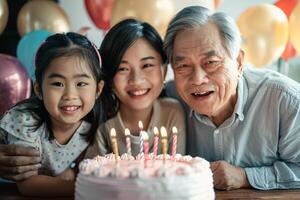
(197, 16)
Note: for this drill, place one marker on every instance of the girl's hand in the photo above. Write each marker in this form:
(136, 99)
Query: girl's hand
(68, 175)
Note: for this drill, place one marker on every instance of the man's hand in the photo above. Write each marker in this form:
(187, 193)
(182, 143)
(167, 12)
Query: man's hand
(228, 177)
(18, 163)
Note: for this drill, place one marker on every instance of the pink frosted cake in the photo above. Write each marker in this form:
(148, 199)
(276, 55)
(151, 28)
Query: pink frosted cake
(183, 177)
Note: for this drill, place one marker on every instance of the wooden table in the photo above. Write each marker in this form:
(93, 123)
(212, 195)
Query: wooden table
(8, 191)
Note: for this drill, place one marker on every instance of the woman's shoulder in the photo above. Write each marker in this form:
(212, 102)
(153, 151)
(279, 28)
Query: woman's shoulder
(169, 103)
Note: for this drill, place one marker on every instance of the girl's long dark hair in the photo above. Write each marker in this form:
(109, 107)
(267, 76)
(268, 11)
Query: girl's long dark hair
(118, 39)
(56, 46)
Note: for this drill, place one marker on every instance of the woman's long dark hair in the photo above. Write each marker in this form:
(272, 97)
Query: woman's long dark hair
(118, 39)
(64, 45)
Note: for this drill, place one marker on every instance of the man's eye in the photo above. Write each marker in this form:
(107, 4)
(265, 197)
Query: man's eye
(57, 84)
(180, 66)
(81, 84)
(211, 63)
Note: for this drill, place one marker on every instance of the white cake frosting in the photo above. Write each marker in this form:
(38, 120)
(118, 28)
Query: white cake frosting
(182, 177)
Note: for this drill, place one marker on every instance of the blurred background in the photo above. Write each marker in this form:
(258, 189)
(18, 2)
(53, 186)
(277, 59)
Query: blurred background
(270, 31)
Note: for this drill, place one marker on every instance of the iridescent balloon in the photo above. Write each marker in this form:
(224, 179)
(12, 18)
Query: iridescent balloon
(15, 84)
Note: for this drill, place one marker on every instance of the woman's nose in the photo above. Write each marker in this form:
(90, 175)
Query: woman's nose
(136, 77)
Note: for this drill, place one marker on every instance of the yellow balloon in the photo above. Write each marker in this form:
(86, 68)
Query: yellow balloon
(3, 15)
(264, 30)
(42, 14)
(294, 25)
(158, 13)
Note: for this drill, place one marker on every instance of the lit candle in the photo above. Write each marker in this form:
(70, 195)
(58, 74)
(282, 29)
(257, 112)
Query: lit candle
(155, 145)
(141, 138)
(164, 142)
(128, 143)
(174, 143)
(114, 143)
(146, 145)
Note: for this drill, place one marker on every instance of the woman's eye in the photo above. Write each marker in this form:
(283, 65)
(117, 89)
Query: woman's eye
(57, 84)
(122, 69)
(81, 84)
(147, 65)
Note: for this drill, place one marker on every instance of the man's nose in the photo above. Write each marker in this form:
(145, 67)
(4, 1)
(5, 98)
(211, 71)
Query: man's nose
(199, 76)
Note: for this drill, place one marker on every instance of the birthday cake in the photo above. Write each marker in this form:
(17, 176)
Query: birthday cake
(152, 177)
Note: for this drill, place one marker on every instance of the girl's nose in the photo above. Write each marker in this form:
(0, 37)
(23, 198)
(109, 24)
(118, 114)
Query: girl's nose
(70, 93)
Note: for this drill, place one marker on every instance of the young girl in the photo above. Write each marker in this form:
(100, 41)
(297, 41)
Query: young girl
(61, 118)
(135, 65)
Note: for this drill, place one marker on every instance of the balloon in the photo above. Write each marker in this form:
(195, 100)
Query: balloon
(294, 24)
(205, 3)
(3, 15)
(289, 51)
(15, 84)
(287, 6)
(217, 3)
(158, 13)
(83, 30)
(264, 30)
(100, 12)
(42, 14)
(27, 48)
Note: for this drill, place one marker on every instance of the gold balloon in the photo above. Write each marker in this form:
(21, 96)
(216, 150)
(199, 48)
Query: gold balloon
(3, 15)
(158, 13)
(42, 14)
(264, 30)
(294, 25)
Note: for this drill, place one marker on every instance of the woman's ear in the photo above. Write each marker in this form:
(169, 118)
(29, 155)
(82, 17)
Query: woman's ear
(99, 88)
(37, 91)
(164, 70)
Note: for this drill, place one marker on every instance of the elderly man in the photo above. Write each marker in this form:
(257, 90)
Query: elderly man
(245, 121)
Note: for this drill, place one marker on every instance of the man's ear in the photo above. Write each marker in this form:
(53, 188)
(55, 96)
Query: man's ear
(99, 88)
(37, 91)
(240, 61)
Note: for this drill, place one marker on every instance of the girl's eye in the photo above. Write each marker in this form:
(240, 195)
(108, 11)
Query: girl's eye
(81, 84)
(57, 84)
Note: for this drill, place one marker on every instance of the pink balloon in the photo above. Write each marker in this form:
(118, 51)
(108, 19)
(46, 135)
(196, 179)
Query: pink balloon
(100, 12)
(15, 85)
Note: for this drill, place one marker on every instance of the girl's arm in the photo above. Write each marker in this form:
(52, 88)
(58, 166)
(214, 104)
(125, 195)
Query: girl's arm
(46, 186)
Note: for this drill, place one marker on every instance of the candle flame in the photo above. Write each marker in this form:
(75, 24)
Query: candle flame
(163, 132)
(127, 132)
(155, 130)
(145, 135)
(174, 130)
(113, 132)
(141, 125)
